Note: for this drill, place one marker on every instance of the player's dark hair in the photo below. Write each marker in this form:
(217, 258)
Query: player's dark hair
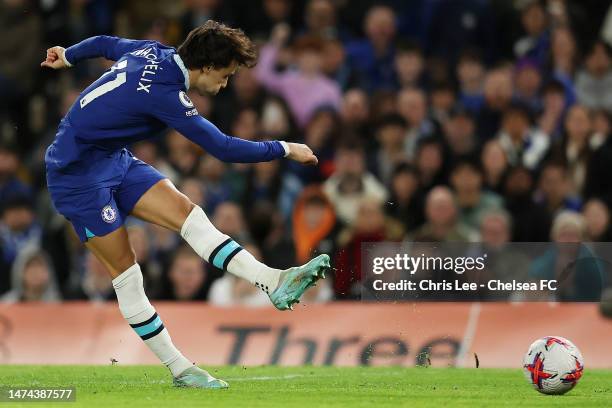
(217, 45)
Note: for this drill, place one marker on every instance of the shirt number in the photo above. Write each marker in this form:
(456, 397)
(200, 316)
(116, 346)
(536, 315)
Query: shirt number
(107, 86)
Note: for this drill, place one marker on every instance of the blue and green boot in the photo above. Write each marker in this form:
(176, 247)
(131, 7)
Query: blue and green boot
(195, 377)
(293, 282)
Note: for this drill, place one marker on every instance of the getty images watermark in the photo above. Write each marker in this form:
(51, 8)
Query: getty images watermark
(474, 271)
(459, 265)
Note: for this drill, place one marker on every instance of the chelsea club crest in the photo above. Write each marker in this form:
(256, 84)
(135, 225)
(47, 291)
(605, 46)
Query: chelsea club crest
(109, 214)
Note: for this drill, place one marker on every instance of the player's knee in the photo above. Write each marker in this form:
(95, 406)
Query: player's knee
(184, 207)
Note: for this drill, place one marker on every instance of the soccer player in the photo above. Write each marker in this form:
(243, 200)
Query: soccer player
(95, 182)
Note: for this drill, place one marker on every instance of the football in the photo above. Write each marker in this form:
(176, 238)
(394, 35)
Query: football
(553, 365)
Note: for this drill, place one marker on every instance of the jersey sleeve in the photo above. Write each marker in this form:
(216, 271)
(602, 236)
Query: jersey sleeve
(111, 48)
(176, 110)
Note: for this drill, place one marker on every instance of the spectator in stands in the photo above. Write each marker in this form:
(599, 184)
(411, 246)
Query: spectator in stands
(536, 41)
(497, 98)
(597, 218)
(245, 92)
(406, 201)
(528, 81)
(574, 149)
(10, 185)
(391, 137)
(229, 219)
(370, 225)
(319, 135)
(305, 89)
(563, 59)
(19, 52)
(193, 188)
(355, 112)
(504, 262)
(470, 74)
(496, 228)
(523, 144)
(183, 154)
(187, 279)
(442, 219)
(269, 227)
(335, 65)
(595, 79)
(412, 105)
(220, 183)
(554, 189)
(373, 58)
(94, 283)
(460, 132)
(554, 105)
(198, 11)
(580, 275)
(315, 226)
(443, 99)
(276, 121)
(410, 66)
(494, 166)
(321, 20)
(351, 182)
(18, 227)
(430, 162)
(471, 200)
(263, 183)
(246, 124)
(33, 278)
(531, 221)
(563, 55)
(598, 183)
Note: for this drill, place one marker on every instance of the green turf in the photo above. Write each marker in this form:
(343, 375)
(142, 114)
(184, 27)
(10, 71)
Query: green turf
(150, 386)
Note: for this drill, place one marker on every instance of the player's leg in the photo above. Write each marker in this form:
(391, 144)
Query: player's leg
(116, 253)
(164, 205)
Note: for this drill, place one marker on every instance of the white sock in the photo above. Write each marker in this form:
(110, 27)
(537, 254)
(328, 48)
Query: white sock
(140, 314)
(224, 253)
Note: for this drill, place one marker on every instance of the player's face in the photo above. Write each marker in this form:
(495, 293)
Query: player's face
(213, 80)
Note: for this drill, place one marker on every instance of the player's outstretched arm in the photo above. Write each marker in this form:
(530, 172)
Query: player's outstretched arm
(236, 150)
(111, 48)
(174, 108)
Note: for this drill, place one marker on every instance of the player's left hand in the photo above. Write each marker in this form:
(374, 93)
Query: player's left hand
(302, 154)
(55, 58)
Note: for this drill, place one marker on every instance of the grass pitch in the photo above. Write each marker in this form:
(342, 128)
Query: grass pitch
(269, 387)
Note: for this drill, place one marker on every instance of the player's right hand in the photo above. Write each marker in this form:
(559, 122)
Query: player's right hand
(302, 154)
(55, 58)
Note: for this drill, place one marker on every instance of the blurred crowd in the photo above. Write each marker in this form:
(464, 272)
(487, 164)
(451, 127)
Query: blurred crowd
(433, 120)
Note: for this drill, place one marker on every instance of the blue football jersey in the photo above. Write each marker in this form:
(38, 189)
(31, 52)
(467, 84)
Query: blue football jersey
(140, 95)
